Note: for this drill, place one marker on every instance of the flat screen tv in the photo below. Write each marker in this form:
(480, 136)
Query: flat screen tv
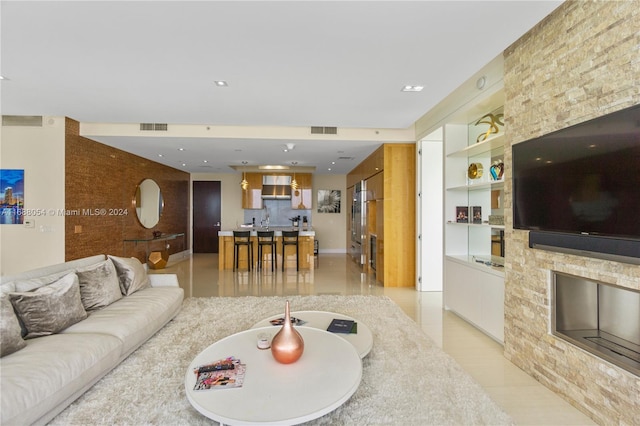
(578, 189)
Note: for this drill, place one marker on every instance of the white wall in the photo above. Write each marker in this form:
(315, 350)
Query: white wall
(430, 253)
(331, 228)
(40, 151)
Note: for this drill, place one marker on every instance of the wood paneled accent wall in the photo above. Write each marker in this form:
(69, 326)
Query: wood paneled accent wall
(98, 176)
(579, 63)
(390, 175)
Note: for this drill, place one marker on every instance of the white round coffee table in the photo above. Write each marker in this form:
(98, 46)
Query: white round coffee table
(326, 376)
(362, 340)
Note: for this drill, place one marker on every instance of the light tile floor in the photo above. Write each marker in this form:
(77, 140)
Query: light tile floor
(527, 401)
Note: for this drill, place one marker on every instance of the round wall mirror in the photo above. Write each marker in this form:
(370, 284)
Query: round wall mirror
(149, 203)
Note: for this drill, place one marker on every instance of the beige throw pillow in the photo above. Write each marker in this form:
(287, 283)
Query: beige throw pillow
(131, 274)
(10, 332)
(99, 285)
(51, 308)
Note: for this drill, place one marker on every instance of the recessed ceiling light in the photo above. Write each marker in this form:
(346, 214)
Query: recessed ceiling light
(180, 149)
(221, 83)
(205, 161)
(184, 164)
(160, 155)
(329, 169)
(410, 88)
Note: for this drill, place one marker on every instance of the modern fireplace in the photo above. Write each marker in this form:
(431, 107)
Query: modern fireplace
(599, 318)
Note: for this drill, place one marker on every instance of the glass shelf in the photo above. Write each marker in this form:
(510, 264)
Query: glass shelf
(480, 147)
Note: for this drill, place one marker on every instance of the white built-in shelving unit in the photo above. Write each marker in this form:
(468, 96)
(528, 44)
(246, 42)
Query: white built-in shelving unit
(474, 250)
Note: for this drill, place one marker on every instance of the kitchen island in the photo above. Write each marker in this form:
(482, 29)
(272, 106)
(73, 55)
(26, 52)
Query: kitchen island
(305, 241)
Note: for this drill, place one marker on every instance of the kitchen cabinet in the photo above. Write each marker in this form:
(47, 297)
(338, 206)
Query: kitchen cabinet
(301, 199)
(389, 195)
(375, 186)
(252, 196)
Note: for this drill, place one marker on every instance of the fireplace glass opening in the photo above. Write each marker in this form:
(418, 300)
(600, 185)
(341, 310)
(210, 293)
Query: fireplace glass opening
(599, 318)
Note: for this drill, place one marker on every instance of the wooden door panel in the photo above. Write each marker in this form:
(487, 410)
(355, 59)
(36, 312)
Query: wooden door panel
(206, 216)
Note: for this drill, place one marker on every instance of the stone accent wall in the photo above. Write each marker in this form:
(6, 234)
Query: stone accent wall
(98, 176)
(581, 62)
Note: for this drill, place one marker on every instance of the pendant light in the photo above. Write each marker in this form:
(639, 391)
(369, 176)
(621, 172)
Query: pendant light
(243, 183)
(294, 183)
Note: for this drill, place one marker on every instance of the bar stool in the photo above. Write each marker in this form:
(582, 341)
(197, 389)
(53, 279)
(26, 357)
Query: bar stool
(290, 238)
(266, 238)
(242, 238)
(316, 252)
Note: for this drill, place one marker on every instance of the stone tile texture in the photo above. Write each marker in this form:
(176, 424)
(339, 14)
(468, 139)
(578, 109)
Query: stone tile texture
(581, 62)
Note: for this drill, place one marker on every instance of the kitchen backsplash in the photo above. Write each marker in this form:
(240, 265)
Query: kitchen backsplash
(279, 213)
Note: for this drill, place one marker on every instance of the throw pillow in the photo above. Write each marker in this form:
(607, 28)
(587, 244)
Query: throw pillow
(34, 283)
(51, 308)
(99, 286)
(131, 274)
(10, 333)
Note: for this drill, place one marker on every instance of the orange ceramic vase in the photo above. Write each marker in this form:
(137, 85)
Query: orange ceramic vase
(287, 345)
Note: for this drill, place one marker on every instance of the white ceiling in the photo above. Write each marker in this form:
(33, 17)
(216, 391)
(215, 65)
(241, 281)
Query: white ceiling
(304, 63)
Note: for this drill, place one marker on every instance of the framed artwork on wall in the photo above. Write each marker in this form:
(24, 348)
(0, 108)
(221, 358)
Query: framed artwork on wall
(328, 201)
(12, 202)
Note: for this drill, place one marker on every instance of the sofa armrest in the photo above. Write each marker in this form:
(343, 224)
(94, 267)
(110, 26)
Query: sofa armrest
(164, 280)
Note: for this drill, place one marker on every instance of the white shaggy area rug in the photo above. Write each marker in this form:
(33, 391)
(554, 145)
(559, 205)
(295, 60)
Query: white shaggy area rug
(407, 380)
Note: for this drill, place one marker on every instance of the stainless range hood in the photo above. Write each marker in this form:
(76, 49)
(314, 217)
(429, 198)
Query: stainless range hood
(276, 187)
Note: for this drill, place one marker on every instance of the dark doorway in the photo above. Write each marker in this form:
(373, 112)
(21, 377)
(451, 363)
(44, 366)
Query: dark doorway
(206, 216)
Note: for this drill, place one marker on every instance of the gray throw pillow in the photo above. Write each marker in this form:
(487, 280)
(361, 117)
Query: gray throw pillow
(10, 333)
(131, 274)
(34, 283)
(99, 285)
(51, 308)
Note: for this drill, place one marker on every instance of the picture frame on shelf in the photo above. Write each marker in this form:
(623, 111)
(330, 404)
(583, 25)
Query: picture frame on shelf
(462, 214)
(477, 215)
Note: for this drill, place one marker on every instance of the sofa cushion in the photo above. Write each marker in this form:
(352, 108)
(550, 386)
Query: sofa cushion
(10, 332)
(99, 285)
(51, 308)
(135, 318)
(131, 274)
(51, 371)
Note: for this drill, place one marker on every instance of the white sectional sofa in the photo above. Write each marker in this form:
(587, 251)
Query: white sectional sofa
(44, 368)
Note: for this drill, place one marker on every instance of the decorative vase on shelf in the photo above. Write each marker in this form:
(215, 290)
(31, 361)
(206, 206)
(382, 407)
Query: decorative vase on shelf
(287, 345)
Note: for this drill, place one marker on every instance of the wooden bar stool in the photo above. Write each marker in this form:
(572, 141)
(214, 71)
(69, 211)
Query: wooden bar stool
(242, 238)
(290, 238)
(266, 238)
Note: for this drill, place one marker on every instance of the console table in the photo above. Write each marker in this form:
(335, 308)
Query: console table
(149, 241)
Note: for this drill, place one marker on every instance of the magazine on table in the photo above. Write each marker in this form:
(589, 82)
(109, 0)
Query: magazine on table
(294, 321)
(221, 374)
(343, 326)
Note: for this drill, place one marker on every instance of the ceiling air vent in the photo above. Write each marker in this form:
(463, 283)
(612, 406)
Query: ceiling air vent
(154, 127)
(22, 120)
(319, 130)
